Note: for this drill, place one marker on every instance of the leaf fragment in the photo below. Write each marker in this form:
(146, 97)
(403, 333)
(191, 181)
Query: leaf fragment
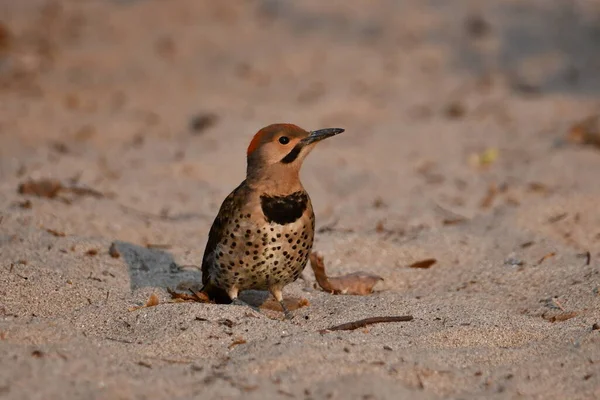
(357, 283)
(423, 264)
(152, 301)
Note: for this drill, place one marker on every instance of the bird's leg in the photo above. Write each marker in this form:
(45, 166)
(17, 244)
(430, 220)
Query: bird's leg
(276, 292)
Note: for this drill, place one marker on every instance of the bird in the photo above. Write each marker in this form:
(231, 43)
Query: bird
(263, 233)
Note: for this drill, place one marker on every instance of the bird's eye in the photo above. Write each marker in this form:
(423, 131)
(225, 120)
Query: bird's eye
(284, 140)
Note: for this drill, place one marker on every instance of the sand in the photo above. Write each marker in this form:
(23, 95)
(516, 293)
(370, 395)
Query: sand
(455, 115)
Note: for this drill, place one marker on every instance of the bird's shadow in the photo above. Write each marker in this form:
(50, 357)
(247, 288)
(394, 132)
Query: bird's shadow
(157, 268)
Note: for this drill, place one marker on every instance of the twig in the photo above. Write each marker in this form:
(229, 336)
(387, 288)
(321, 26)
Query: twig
(350, 326)
(119, 340)
(545, 257)
(588, 257)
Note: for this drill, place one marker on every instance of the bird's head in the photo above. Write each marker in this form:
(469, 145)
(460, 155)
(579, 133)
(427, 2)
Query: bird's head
(278, 150)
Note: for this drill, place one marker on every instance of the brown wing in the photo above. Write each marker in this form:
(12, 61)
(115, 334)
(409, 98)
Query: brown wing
(228, 209)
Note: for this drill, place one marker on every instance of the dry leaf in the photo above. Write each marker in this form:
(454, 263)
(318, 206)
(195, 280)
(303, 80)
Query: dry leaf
(42, 188)
(200, 297)
(152, 301)
(357, 283)
(454, 221)
(545, 257)
(113, 251)
(37, 353)
(145, 364)
(51, 188)
(538, 187)
(55, 233)
(562, 317)
(423, 264)
(291, 303)
(586, 132)
(236, 342)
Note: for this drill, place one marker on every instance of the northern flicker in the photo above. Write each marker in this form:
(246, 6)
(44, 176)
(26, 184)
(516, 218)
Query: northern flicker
(263, 233)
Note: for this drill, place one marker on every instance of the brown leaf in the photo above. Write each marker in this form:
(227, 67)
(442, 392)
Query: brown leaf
(50, 188)
(562, 317)
(152, 301)
(454, 221)
(91, 252)
(538, 187)
(55, 233)
(545, 257)
(236, 342)
(113, 251)
(291, 303)
(586, 132)
(357, 283)
(42, 188)
(423, 264)
(145, 364)
(200, 297)
(37, 353)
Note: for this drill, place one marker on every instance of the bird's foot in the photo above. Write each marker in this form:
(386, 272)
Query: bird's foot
(287, 314)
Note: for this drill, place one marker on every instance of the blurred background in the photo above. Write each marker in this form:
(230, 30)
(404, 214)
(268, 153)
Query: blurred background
(155, 101)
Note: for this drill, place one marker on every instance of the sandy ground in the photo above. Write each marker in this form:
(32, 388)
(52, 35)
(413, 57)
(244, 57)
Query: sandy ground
(152, 104)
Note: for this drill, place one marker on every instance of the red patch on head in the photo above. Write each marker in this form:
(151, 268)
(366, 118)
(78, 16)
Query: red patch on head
(270, 130)
(255, 142)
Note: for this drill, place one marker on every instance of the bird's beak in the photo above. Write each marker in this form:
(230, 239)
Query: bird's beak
(321, 134)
